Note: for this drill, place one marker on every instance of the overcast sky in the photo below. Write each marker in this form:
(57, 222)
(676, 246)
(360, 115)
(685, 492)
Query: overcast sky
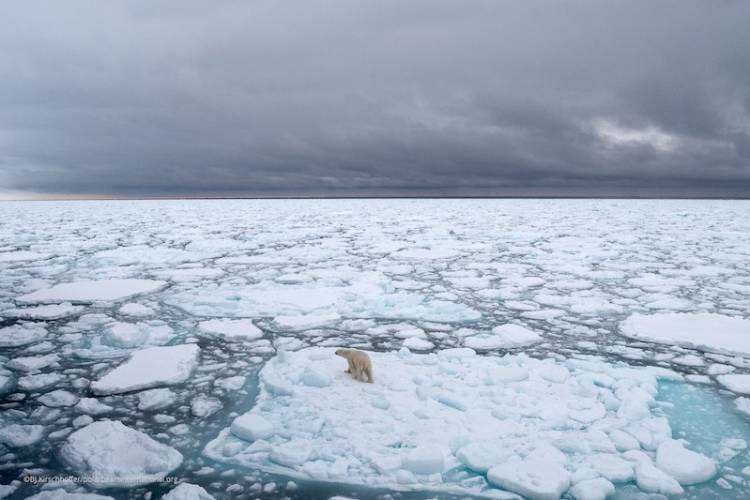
(201, 98)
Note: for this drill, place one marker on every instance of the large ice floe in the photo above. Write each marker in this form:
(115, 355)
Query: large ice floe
(92, 291)
(711, 332)
(151, 367)
(457, 422)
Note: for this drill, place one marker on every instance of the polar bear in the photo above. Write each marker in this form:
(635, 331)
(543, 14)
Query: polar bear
(359, 364)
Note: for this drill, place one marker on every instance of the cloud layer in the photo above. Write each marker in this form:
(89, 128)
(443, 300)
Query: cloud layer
(143, 98)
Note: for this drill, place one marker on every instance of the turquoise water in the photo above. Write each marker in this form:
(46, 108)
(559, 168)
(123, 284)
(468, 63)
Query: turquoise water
(704, 417)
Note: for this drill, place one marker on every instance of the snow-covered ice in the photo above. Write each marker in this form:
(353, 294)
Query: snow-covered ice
(707, 331)
(231, 329)
(92, 291)
(115, 455)
(45, 312)
(527, 424)
(151, 367)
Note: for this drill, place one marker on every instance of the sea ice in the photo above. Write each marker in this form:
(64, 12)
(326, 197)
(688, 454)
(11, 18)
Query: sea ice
(136, 310)
(706, 331)
(22, 255)
(530, 423)
(736, 382)
(686, 466)
(151, 367)
(186, 491)
(92, 291)
(507, 336)
(18, 435)
(231, 329)
(44, 312)
(21, 334)
(116, 456)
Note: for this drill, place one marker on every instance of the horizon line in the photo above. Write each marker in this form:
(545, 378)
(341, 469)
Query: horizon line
(384, 197)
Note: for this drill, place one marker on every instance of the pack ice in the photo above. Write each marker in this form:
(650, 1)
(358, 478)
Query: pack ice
(454, 421)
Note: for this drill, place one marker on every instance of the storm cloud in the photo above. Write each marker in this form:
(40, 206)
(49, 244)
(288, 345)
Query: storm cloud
(243, 98)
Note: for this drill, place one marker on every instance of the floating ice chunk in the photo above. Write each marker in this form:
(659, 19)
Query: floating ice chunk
(137, 310)
(623, 441)
(58, 398)
(712, 332)
(418, 344)
(231, 383)
(424, 460)
(92, 406)
(686, 466)
(688, 360)
(151, 367)
(612, 467)
(156, 399)
(32, 363)
(45, 312)
(116, 456)
(534, 479)
(719, 369)
(515, 335)
(126, 335)
(39, 381)
(93, 291)
(187, 491)
(251, 427)
(144, 254)
(735, 382)
(232, 329)
(592, 489)
(7, 490)
(203, 406)
(6, 382)
(743, 405)
(21, 334)
(306, 321)
(18, 435)
(506, 336)
(653, 480)
(61, 494)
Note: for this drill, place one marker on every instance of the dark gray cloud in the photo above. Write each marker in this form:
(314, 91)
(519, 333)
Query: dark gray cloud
(143, 98)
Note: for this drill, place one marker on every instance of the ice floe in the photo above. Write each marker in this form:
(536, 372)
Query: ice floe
(92, 291)
(707, 331)
(513, 423)
(231, 329)
(44, 312)
(151, 367)
(114, 455)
